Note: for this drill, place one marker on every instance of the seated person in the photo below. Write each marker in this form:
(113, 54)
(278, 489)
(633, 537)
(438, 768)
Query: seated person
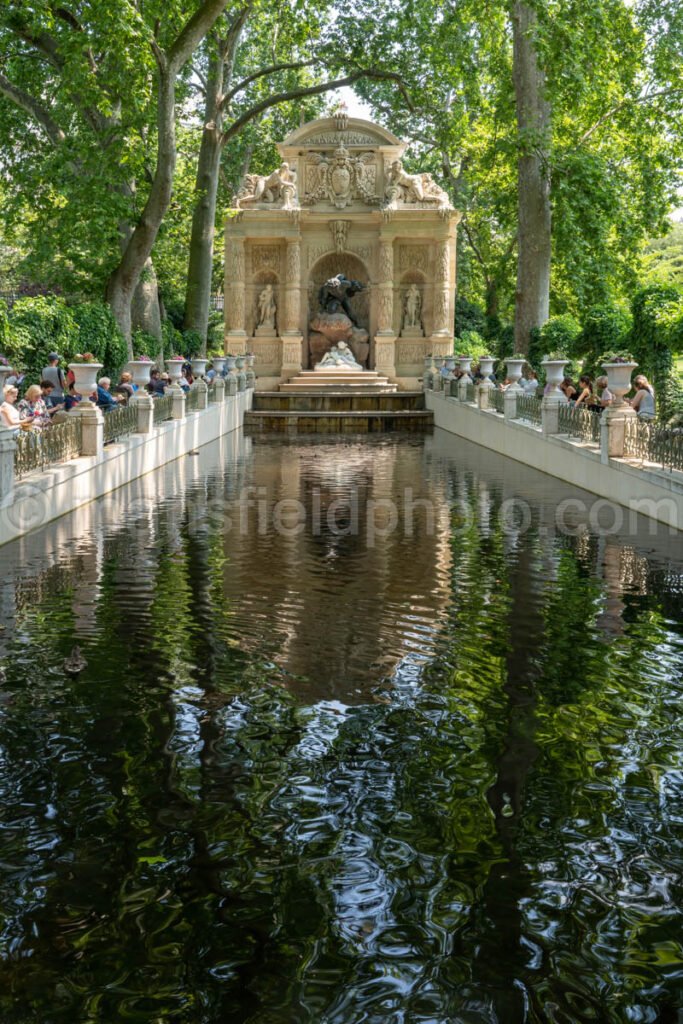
(9, 414)
(606, 396)
(530, 385)
(52, 405)
(156, 384)
(105, 400)
(72, 397)
(126, 384)
(32, 408)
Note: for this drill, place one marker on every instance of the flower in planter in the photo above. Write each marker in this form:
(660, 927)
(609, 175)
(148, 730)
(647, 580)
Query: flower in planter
(617, 357)
(85, 357)
(143, 359)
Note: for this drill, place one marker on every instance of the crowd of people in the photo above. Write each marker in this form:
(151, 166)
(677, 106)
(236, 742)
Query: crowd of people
(593, 395)
(42, 404)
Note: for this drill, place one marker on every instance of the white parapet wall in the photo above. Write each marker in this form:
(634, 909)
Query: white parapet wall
(640, 487)
(42, 496)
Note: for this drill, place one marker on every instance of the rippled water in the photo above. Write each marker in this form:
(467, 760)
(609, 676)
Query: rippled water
(331, 769)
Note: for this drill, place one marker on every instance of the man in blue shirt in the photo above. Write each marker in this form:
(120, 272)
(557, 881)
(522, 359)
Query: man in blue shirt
(105, 401)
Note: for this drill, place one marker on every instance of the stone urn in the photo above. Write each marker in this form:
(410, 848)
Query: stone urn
(486, 368)
(619, 380)
(85, 377)
(554, 375)
(175, 370)
(251, 359)
(218, 363)
(141, 369)
(514, 372)
(465, 363)
(198, 367)
(450, 367)
(230, 364)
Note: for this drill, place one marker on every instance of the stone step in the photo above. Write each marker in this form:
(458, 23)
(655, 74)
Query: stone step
(350, 421)
(361, 389)
(338, 401)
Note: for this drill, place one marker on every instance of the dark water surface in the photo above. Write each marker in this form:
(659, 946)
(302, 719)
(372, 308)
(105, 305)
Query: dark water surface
(341, 773)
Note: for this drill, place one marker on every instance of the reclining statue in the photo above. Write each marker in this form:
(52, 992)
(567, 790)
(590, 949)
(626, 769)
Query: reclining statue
(335, 294)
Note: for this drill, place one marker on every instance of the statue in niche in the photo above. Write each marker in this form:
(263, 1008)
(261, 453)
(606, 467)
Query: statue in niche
(413, 188)
(261, 188)
(335, 294)
(266, 309)
(412, 309)
(339, 357)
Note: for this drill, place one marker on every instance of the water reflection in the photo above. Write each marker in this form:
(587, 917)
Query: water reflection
(430, 774)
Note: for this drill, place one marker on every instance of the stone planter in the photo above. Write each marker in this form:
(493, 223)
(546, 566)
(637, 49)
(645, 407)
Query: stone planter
(514, 372)
(239, 362)
(198, 367)
(251, 360)
(450, 367)
(486, 368)
(554, 375)
(218, 363)
(619, 380)
(230, 364)
(141, 369)
(465, 363)
(86, 377)
(175, 370)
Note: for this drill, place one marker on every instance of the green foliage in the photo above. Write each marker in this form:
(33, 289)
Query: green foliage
(471, 343)
(172, 339)
(468, 317)
(39, 326)
(559, 333)
(192, 343)
(216, 331)
(145, 344)
(663, 259)
(99, 333)
(657, 330)
(4, 327)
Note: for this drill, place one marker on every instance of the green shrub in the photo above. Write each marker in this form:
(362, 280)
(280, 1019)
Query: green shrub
(656, 333)
(145, 344)
(38, 326)
(559, 333)
(216, 330)
(99, 333)
(471, 343)
(172, 339)
(4, 328)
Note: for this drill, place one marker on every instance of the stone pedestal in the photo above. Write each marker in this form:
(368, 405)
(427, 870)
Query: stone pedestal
(291, 355)
(550, 415)
(178, 407)
(203, 393)
(7, 448)
(144, 405)
(219, 388)
(385, 354)
(510, 402)
(483, 393)
(613, 431)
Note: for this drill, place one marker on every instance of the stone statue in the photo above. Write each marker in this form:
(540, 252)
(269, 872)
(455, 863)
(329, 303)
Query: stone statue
(261, 188)
(335, 294)
(413, 188)
(266, 308)
(339, 357)
(412, 308)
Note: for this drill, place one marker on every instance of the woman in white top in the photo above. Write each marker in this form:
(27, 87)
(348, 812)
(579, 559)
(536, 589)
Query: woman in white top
(644, 399)
(9, 414)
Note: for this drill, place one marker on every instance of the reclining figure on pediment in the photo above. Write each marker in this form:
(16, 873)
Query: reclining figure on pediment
(268, 188)
(412, 188)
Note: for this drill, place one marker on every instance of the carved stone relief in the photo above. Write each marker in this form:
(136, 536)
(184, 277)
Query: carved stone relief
(339, 178)
(413, 257)
(235, 259)
(265, 257)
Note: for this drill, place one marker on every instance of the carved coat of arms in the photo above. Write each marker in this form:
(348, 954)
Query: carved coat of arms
(339, 178)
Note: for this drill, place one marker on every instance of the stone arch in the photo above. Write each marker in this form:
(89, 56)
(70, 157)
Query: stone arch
(261, 278)
(355, 269)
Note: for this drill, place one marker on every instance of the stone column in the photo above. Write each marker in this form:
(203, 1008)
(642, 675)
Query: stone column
(203, 392)
(235, 299)
(385, 339)
(219, 388)
(291, 336)
(92, 425)
(510, 403)
(442, 335)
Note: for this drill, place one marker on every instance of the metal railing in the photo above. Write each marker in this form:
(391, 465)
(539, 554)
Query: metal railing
(470, 394)
(120, 422)
(650, 442)
(529, 409)
(56, 443)
(497, 400)
(578, 421)
(163, 409)
(191, 400)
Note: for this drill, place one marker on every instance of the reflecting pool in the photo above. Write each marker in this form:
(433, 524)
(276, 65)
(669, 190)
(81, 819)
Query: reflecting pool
(373, 731)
